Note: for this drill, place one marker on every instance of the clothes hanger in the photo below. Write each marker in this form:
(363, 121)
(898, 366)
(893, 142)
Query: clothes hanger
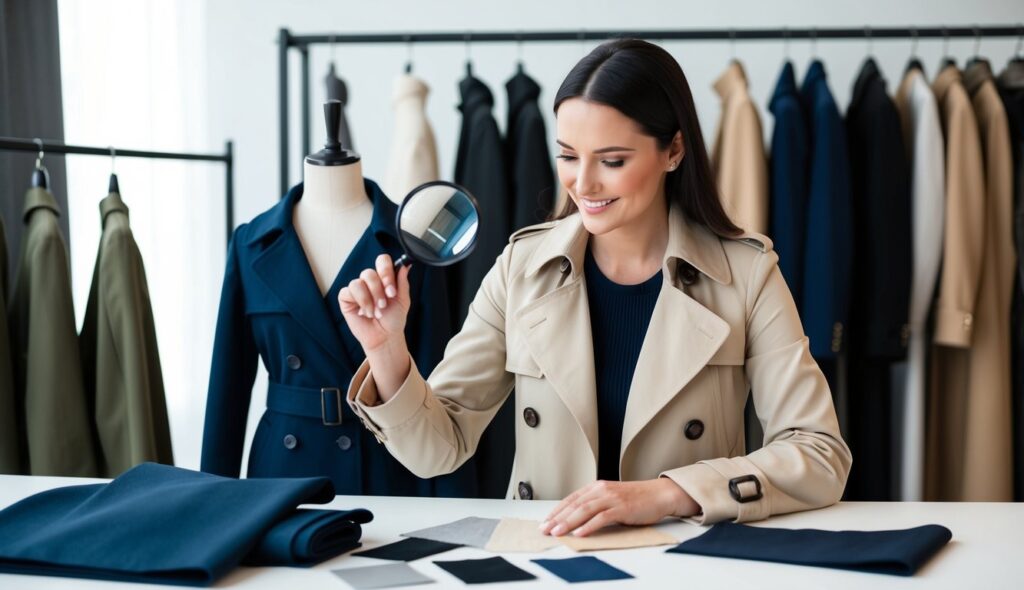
(469, 58)
(112, 186)
(408, 54)
(915, 62)
(519, 53)
(976, 57)
(40, 175)
(948, 60)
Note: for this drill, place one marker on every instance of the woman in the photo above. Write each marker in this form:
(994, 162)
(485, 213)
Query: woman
(632, 329)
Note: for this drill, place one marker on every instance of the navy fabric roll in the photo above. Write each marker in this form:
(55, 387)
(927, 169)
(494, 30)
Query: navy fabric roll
(307, 537)
(165, 525)
(897, 552)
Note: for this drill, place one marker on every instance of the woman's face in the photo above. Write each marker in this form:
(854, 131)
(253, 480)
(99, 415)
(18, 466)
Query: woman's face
(612, 171)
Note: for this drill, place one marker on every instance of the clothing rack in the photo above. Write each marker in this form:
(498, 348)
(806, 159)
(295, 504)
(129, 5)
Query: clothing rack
(30, 145)
(287, 41)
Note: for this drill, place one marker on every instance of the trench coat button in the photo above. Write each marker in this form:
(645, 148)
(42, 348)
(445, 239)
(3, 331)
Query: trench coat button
(532, 417)
(290, 442)
(564, 267)
(688, 273)
(344, 443)
(294, 362)
(525, 491)
(694, 429)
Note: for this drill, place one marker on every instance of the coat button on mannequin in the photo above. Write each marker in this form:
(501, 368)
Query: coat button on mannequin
(344, 443)
(694, 429)
(688, 274)
(290, 442)
(294, 362)
(531, 417)
(525, 491)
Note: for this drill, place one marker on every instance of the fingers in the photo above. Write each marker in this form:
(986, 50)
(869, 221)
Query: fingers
(403, 284)
(596, 522)
(581, 512)
(386, 271)
(361, 296)
(564, 507)
(378, 299)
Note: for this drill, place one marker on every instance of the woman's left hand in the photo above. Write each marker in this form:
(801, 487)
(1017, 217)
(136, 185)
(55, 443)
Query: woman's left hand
(605, 503)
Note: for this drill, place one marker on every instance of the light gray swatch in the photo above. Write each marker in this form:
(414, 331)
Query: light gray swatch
(471, 531)
(382, 576)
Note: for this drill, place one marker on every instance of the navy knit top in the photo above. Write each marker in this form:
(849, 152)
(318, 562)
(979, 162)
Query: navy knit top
(619, 316)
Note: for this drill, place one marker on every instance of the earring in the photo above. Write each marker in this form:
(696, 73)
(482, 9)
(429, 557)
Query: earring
(672, 166)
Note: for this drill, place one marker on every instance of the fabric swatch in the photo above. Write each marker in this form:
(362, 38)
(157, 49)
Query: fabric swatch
(618, 537)
(897, 552)
(382, 576)
(408, 550)
(485, 571)
(471, 531)
(514, 535)
(582, 569)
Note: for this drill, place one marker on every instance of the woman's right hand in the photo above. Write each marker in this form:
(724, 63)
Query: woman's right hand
(376, 305)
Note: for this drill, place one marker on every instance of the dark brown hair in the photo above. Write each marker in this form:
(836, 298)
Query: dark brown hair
(645, 83)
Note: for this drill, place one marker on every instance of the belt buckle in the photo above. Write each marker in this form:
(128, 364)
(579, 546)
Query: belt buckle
(734, 488)
(323, 404)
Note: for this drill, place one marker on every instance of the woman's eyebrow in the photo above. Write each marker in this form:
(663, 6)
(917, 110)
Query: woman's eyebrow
(613, 148)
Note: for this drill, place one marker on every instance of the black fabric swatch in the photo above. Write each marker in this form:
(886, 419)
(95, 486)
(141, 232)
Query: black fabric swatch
(485, 571)
(897, 552)
(409, 549)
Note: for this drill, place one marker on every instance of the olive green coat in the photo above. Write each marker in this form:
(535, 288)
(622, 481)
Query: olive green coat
(58, 435)
(120, 360)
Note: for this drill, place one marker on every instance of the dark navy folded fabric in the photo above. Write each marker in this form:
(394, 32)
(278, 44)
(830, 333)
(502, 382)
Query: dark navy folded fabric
(165, 525)
(897, 552)
(307, 537)
(582, 569)
(485, 571)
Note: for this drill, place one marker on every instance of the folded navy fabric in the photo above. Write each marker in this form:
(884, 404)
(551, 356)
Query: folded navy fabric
(307, 537)
(582, 569)
(897, 552)
(165, 525)
(409, 549)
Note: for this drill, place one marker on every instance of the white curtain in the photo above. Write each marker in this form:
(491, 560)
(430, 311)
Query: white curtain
(134, 76)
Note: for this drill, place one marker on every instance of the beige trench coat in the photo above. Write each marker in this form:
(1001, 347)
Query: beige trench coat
(713, 334)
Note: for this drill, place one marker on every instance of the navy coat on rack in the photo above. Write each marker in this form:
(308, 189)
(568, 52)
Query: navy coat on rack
(531, 176)
(825, 298)
(271, 307)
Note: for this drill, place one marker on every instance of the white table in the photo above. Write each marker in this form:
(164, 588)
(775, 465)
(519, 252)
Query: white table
(987, 550)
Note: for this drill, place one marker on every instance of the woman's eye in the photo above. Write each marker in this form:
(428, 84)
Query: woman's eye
(613, 163)
(566, 157)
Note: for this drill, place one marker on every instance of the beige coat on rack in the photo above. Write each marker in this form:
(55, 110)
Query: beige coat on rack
(724, 323)
(956, 306)
(988, 454)
(922, 132)
(413, 159)
(738, 159)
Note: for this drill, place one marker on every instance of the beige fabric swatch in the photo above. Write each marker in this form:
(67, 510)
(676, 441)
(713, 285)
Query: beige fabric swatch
(618, 537)
(514, 535)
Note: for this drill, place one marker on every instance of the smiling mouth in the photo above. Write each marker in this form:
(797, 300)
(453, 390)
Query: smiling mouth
(592, 204)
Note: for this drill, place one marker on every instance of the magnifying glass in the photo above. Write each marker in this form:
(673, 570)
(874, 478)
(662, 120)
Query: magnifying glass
(437, 224)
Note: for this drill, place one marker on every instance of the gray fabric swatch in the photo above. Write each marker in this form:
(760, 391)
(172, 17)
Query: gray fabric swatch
(471, 531)
(382, 576)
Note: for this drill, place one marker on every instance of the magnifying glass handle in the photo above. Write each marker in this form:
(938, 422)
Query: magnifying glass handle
(403, 260)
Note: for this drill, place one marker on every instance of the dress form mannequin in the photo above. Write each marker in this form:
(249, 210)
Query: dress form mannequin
(334, 210)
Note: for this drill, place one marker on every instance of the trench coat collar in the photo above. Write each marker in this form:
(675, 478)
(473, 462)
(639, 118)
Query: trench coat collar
(732, 80)
(976, 75)
(38, 197)
(949, 76)
(278, 219)
(409, 88)
(283, 267)
(687, 241)
(682, 337)
(112, 203)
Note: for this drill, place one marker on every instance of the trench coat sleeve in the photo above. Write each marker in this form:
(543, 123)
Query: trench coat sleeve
(232, 372)
(433, 435)
(805, 462)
